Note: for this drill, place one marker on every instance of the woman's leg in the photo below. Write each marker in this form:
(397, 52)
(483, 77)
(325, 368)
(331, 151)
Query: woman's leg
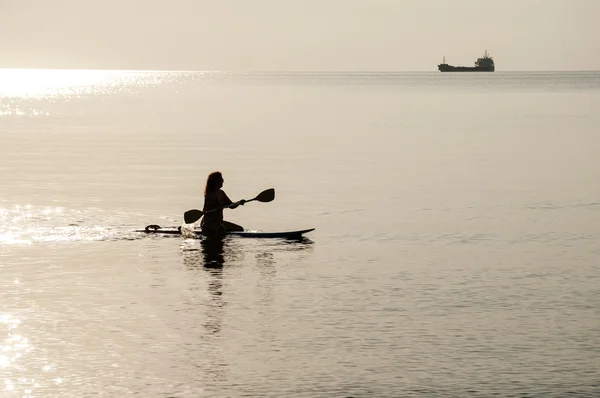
(229, 226)
(217, 230)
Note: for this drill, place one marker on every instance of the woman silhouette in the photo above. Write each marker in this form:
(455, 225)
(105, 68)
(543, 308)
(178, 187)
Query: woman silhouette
(215, 200)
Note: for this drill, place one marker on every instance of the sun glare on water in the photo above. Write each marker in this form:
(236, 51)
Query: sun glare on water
(39, 83)
(26, 225)
(15, 366)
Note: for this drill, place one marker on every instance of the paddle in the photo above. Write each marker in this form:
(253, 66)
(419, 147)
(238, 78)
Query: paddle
(191, 216)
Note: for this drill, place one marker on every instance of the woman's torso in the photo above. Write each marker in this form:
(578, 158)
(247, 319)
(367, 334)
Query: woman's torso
(213, 204)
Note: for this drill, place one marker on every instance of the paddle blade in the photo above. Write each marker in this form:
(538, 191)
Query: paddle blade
(266, 196)
(191, 216)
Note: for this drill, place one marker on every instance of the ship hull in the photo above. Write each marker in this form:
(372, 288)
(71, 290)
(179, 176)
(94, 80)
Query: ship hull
(450, 68)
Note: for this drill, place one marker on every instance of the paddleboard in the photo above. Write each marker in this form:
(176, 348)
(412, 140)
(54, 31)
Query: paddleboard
(155, 229)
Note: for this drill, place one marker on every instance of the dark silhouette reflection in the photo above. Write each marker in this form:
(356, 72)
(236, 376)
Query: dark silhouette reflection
(301, 243)
(265, 262)
(210, 258)
(208, 261)
(213, 252)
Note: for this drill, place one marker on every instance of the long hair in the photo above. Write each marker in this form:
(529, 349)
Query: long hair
(212, 182)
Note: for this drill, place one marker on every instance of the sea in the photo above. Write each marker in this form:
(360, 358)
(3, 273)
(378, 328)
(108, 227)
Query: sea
(456, 250)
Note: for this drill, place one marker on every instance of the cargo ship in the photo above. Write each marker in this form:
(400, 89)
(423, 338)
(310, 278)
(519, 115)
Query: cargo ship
(483, 64)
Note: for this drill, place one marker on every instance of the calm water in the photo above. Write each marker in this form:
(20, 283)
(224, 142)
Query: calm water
(456, 251)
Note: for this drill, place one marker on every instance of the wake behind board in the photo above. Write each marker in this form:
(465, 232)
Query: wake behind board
(155, 229)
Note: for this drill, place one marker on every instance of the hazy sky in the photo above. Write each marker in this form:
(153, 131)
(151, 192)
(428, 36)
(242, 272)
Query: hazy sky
(304, 35)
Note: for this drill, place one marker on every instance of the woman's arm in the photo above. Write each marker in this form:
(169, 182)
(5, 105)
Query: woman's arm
(226, 202)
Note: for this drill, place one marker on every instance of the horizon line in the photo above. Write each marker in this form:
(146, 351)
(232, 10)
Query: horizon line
(267, 71)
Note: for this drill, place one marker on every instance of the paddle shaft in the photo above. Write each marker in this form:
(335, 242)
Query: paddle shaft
(192, 216)
(227, 207)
